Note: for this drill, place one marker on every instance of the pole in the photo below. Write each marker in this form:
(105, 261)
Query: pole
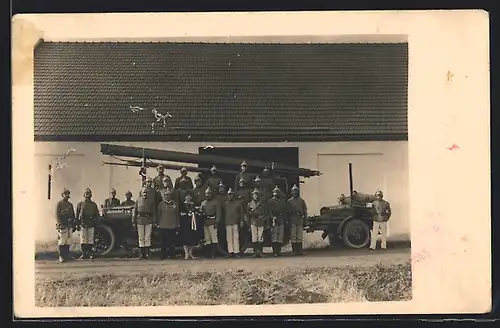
(350, 180)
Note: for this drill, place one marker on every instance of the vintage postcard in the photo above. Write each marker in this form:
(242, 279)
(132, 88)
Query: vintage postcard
(277, 163)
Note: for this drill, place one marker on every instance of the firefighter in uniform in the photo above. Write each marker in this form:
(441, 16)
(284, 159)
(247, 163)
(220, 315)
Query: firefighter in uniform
(298, 216)
(158, 180)
(87, 213)
(267, 181)
(381, 214)
(128, 201)
(112, 201)
(142, 220)
(212, 215)
(244, 193)
(164, 189)
(183, 184)
(221, 193)
(256, 214)
(263, 192)
(234, 215)
(278, 211)
(242, 175)
(198, 191)
(167, 219)
(65, 224)
(213, 180)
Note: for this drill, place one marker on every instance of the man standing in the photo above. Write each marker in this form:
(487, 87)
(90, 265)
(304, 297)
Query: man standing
(158, 180)
(183, 184)
(244, 193)
(298, 216)
(87, 213)
(234, 215)
(381, 214)
(169, 223)
(128, 201)
(112, 201)
(242, 175)
(212, 213)
(279, 212)
(142, 220)
(257, 216)
(264, 195)
(213, 180)
(65, 224)
(199, 191)
(221, 193)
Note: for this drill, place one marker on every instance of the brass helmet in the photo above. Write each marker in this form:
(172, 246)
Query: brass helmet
(230, 191)
(379, 193)
(256, 192)
(65, 192)
(295, 187)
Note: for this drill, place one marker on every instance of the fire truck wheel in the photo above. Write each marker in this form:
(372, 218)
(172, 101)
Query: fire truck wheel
(104, 240)
(356, 234)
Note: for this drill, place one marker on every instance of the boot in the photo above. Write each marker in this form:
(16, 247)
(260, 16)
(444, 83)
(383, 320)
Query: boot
(146, 253)
(62, 257)
(91, 251)
(278, 249)
(66, 253)
(83, 248)
(186, 252)
(191, 253)
(255, 250)
(275, 249)
(261, 250)
(214, 250)
(294, 249)
(163, 254)
(299, 249)
(208, 251)
(141, 253)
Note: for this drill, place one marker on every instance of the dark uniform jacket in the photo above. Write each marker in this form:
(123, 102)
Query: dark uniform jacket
(158, 182)
(257, 213)
(128, 203)
(199, 195)
(110, 202)
(381, 210)
(213, 182)
(87, 213)
(184, 183)
(168, 215)
(212, 211)
(65, 214)
(144, 211)
(234, 212)
(298, 210)
(242, 175)
(245, 195)
(278, 210)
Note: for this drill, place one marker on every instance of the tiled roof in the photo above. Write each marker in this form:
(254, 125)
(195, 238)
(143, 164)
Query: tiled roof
(215, 90)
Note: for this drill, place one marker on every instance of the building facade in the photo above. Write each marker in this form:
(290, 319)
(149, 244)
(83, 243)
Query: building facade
(317, 106)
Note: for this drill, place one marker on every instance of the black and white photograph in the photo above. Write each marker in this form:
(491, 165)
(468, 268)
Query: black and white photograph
(227, 169)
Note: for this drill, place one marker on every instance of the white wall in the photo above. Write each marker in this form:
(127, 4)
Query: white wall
(376, 165)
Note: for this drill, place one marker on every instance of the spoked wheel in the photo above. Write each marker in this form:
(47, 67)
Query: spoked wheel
(356, 234)
(104, 240)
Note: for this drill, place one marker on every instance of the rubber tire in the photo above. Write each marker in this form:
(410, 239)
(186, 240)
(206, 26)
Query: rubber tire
(344, 236)
(112, 238)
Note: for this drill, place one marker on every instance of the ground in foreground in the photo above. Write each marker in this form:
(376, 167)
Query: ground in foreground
(389, 282)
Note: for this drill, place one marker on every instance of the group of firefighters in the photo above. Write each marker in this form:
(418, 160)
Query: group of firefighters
(188, 213)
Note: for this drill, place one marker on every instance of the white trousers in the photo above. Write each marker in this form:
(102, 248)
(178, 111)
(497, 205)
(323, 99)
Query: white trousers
(63, 236)
(382, 226)
(210, 234)
(257, 234)
(233, 238)
(296, 233)
(87, 235)
(144, 233)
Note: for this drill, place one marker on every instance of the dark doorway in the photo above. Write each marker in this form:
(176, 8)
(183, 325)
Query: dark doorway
(284, 155)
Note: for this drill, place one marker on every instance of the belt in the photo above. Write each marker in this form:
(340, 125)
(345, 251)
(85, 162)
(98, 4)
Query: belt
(210, 217)
(145, 214)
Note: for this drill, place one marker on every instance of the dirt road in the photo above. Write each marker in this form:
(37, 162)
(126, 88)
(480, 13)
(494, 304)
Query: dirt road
(312, 259)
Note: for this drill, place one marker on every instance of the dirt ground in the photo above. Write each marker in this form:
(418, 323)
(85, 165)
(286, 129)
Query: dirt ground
(313, 258)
